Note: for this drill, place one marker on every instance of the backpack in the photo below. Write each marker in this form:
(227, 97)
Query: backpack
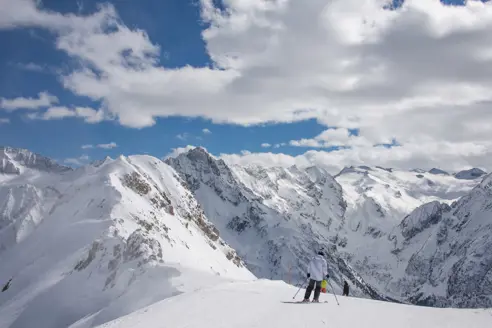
(323, 286)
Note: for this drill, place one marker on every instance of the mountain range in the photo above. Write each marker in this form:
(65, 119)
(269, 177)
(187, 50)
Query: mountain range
(105, 239)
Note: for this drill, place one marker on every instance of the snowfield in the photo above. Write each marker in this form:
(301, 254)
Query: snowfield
(260, 304)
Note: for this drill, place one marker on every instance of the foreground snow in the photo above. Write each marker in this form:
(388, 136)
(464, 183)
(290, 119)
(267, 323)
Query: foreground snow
(260, 304)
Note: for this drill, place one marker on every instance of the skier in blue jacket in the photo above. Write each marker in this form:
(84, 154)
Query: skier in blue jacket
(317, 271)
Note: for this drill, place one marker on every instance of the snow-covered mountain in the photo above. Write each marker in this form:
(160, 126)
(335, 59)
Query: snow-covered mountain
(276, 218)
(100, 241)
(15, 161)
(379, 201)
(444, 251)
(119, 234)
(252, 208)
(378, 198)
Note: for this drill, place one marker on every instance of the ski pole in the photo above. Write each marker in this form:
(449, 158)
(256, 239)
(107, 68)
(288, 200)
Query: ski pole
(298, 290)
(333, 291)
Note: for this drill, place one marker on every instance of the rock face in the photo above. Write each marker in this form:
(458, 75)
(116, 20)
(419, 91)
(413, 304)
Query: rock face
(422, 218)
(448, 251)
(101, 241)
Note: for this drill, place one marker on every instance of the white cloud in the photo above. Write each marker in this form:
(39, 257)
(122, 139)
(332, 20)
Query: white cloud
(54, 113)
(175, 152)
(4, 120)
(82, 160)
(110, 145)
(31, 67)
(89, 115)
(44, 99)
(206, 131)
(80, 5)
(264, 159)
(183, 136)
(266, 145)
(449, 156)
(421, 74)
(333, 137)
(73, 161)
(28, 13)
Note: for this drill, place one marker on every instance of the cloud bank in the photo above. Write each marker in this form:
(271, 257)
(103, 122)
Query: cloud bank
(419, 74)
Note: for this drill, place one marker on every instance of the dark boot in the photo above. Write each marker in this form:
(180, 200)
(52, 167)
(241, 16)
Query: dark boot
(309, 290)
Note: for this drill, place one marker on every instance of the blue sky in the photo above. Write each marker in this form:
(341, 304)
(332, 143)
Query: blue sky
(176, 26)
(31, 63)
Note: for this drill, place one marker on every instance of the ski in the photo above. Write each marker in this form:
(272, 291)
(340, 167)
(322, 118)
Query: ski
(301, 302)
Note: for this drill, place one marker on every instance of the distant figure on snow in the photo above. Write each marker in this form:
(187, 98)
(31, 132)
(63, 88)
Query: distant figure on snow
(317, 271)
(345, 289)
(7, 285)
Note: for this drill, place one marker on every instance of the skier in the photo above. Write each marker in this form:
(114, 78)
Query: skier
(317, 271)
(345, 288)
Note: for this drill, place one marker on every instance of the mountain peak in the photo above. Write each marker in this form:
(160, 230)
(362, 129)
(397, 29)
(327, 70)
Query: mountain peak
(354, 169)
(197, 162)
(14, 160)
(98, 163)
(196, 154)
(470, 174)
(438, 171)
(388, 169)
(199, 150)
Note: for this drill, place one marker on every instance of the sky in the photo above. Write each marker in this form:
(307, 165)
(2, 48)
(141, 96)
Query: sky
(403, 84)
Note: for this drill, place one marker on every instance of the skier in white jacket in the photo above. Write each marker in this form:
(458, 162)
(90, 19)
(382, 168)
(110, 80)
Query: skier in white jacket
(317, 271)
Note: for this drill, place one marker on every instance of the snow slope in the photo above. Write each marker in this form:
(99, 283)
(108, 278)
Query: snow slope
(260, 304)
(102, 241)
